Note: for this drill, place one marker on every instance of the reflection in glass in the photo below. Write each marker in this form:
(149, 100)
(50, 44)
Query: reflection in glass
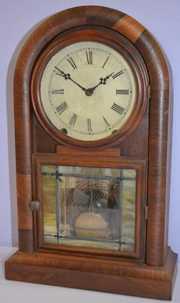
(92, 207)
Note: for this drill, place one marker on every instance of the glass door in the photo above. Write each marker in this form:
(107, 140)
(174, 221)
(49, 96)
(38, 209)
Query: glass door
(89, 207)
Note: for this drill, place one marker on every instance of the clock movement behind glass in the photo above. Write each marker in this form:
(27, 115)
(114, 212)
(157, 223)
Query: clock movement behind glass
(92, 106)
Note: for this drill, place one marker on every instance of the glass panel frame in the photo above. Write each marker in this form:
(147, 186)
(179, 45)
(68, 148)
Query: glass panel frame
(106, 162)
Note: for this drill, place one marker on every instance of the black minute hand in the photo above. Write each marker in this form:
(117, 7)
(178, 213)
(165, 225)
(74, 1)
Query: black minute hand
(103, 80)
(67, 76)
(91, 90)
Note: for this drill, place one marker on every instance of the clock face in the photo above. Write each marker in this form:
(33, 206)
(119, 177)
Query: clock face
(88, 91)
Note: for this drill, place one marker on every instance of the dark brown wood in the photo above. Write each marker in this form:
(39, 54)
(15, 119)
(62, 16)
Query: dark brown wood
(41, 141)
(65, 151)
(25, 224)
(159, 137)
(26, 240)
(117, 276)
(159, 141)
(146, 141)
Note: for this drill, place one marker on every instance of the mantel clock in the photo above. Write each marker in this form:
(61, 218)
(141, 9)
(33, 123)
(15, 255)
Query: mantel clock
(92, 107)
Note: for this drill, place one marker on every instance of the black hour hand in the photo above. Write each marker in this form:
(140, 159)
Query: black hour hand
(67, 76)
(61, 73)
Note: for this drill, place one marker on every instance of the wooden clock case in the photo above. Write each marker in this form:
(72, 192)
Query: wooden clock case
(144, 144)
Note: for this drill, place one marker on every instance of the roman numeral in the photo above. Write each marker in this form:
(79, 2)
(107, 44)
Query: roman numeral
(105, 62)
(89, 127)
(73, 120)
(118, 74)
(57, 91)
(61, 108)
(117, 108)
(89, 56)
(106, 122)
(71, 62)
(122, 91)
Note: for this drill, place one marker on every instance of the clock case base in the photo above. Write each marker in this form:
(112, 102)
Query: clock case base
(124, 277)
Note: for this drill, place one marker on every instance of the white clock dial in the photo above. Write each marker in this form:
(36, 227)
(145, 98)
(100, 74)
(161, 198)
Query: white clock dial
(88, 90)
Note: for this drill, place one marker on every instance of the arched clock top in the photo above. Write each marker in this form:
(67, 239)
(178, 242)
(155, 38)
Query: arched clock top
(102, 17)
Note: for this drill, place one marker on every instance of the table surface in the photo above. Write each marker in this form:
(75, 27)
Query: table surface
(11, 291)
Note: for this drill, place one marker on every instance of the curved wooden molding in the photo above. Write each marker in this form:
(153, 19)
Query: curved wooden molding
(129, 27)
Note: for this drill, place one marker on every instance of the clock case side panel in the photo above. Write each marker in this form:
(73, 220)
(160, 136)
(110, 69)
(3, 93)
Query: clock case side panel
(23, 143)
(160, 133)
(160, 120)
